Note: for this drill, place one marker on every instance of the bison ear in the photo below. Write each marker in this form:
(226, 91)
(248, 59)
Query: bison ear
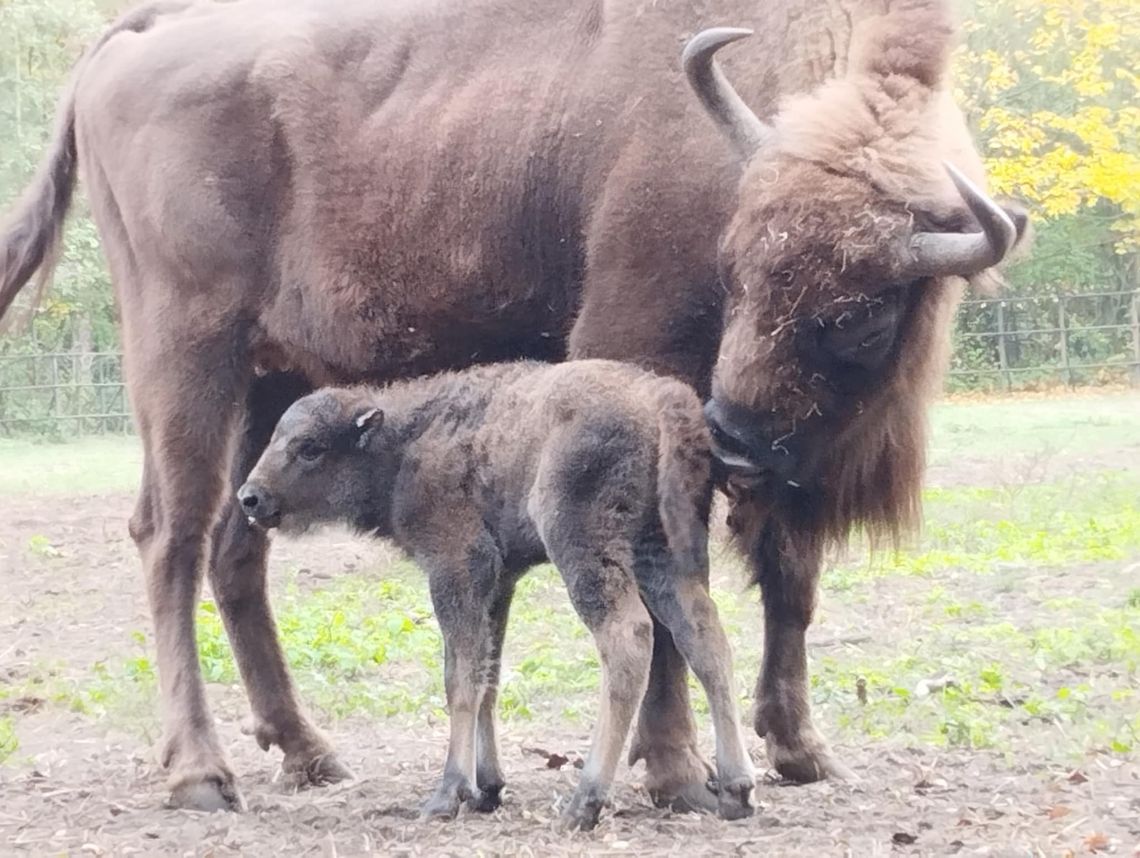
(366, 423)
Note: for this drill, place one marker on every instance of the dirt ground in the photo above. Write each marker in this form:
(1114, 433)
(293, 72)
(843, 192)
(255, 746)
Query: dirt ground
(79, 786)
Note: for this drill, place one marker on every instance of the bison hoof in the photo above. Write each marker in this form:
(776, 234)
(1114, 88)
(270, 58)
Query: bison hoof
(314, 771)
(806, 762)
(582, 813)
(487, 799)
(212, 793)
(445, 801)
(735, 799)
(696, 797)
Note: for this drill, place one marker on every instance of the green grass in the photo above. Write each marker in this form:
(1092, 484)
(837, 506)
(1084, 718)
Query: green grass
(996, 428)
(85, 466)
(1087, 519)
(8, 742)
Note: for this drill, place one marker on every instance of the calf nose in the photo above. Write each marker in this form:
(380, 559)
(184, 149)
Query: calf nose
(257, 503)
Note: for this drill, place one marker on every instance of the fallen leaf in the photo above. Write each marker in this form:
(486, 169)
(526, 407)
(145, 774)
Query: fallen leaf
(1076, 776)
(902, 838)
(1096, 842)
(1057, 811)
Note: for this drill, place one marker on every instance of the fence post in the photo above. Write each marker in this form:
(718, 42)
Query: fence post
(1003, 360)
(1136, 338)
(55, 415)
(1063, 326)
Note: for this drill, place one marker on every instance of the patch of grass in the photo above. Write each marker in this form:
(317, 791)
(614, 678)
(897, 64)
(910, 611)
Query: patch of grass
(1088, 519)
(1067, 688)
(84, 466)
(8, 741)
(995, 428)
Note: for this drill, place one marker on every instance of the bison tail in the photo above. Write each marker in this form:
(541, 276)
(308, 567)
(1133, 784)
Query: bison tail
(684, 478)
(29, 237)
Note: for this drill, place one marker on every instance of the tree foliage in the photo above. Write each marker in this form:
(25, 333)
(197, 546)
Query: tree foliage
(39, 42)
(1053, 89)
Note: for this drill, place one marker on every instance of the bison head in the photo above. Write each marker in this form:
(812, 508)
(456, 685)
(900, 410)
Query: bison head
(329, 460)
(840, 268)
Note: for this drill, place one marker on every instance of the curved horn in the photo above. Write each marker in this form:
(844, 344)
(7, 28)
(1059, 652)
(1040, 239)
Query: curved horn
(742, 126)
(936, 254)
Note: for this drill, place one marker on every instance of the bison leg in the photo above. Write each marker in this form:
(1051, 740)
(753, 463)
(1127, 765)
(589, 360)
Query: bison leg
(788, 572)
(237, 576)
(488, 772)
(186, 422)
(680, 599)
(676, 775)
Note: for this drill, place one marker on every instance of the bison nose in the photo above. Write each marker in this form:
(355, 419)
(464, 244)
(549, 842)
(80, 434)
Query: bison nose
(729, 443)
(258, 505)
(743, 445)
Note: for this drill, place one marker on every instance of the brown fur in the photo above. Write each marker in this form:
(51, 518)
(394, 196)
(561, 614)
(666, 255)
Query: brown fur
(292, 193)
(594, 465)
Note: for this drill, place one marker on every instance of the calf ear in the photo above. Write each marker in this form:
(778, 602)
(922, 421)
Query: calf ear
(367, 422)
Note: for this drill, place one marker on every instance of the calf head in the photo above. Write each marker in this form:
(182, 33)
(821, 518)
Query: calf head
(329, 460)
(842, 266)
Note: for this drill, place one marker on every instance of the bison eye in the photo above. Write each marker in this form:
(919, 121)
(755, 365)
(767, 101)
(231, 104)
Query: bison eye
(310, 451)
(863, 336)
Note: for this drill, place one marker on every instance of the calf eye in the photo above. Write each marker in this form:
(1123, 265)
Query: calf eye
(310, 451)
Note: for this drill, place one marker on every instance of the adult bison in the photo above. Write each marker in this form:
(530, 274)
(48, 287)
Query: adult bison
(294, 192)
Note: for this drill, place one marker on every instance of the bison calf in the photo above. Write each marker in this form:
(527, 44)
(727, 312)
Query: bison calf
(597, 466)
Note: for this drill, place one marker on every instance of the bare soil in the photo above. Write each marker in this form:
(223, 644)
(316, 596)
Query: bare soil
(78, 786)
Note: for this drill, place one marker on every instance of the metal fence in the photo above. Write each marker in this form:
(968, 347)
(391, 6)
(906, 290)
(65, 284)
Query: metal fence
(1003, 344)
(63, 394)
(1048, 340)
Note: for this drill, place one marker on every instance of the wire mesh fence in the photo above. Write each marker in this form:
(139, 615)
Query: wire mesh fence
(1048, 340)
(1009, 344)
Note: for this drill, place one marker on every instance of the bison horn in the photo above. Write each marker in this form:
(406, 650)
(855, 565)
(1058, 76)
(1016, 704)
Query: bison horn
(742, 126)
(937, 254)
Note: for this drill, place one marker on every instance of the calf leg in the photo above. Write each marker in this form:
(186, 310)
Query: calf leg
(623, 633)
(466, 592)
(680, 600)
(238, 579)
(464, 692)
(598, 569)
(488, 772)
(788, 571)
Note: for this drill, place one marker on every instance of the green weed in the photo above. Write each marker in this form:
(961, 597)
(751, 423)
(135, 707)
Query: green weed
(8, 741)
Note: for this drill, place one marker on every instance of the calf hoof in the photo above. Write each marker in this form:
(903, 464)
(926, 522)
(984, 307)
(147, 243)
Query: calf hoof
(689, 798)
(487, 799)
(735, 799)
(445, 801)
(582, 813)
(209, 793)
